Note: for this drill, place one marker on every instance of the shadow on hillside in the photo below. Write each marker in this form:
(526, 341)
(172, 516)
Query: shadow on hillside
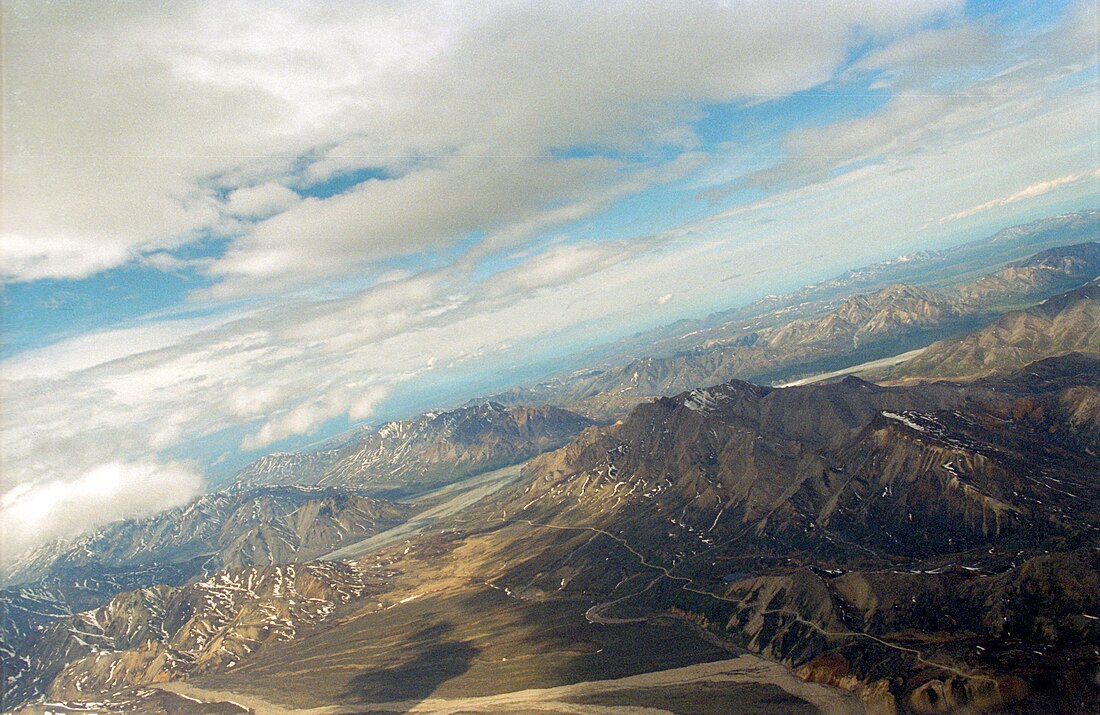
(428, 659)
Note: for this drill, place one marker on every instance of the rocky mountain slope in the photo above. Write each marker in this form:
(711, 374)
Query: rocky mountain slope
(887, 313)
(912, 543)
(290, 468)
(163, 633)
(1047, 272)
(280, 468)
(408, 456)
(267, 525)
(1063, 324)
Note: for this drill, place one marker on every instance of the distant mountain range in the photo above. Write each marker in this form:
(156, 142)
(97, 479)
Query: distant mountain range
(933, 269)
(863, 327)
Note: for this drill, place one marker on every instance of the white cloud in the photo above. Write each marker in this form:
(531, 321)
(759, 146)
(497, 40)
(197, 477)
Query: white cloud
(951, 87)
(1037, 189)
(309, 415)
(561, 265)
(92, 349)
(429, 206)
(32, 513)
(934, 58)
(261, 201)
(126, 125)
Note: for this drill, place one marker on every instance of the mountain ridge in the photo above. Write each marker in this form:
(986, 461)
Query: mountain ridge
(1062, 324)
(405, 456)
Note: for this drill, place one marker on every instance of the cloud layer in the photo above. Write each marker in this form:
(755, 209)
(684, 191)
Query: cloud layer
(152, 124)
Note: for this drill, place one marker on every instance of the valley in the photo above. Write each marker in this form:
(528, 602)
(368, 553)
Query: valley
(746, 684)
(867, 367)
(438, 505)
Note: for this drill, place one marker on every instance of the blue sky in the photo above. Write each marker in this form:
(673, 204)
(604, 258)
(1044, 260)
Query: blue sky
(232, 228)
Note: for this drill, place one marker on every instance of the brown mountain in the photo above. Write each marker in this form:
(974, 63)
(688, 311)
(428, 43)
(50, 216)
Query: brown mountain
(912, 543)
(1047, 272)
(1063, 324)
(884, 314)
(266, 526)
(162, 633)
(755, 457)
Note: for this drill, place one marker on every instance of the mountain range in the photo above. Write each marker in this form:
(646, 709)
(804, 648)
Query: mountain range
(923, 543)
(940, 532)
(1063, 324)
(916, 545)
(241, 527)
(933, 269)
